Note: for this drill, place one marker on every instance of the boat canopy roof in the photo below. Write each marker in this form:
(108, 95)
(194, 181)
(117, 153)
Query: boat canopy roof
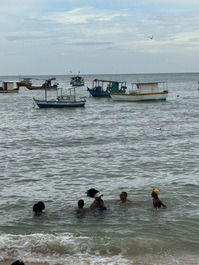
(149, 83)
(27, 79)
(108, 81)
(10, 82)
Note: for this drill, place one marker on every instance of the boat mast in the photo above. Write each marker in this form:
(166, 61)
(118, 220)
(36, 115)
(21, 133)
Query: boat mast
(45, 94)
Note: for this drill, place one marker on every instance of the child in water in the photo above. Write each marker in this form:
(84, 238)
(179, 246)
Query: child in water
(38, 208)
(123, 197)
(156, 201)
(81, 208)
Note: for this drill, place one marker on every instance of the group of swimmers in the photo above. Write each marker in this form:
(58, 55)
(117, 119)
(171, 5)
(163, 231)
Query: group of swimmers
(98, 203)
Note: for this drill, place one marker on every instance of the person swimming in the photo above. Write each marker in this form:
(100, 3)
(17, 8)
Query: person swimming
(38, 208)
(80, 204)
(123, 197)
(156, 201)
(81, 210)
(98, 203)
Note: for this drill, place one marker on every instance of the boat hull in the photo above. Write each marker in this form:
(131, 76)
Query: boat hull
(41, 88)
(140, 97)
(9, 91)
(99, 94)
(58, 104)
(77, 84)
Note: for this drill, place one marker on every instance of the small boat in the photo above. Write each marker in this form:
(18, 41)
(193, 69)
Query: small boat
(143, 91)
(26, 82)
(61, 101)
(9, 87)
(102, 88)
(77, 81)
(46, 85)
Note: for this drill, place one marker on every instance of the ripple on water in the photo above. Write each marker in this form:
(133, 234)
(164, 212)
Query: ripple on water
(56, 155)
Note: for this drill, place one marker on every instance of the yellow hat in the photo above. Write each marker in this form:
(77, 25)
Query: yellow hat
(156, 191)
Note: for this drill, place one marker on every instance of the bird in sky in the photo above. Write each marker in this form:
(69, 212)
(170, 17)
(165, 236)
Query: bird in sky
(150, 37)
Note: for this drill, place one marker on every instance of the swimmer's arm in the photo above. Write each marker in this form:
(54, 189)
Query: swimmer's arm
(93, 205)
(163, 205)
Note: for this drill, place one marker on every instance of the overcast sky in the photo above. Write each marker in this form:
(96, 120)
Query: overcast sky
(98, 36)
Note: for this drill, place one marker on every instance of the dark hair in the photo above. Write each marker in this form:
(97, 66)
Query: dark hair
(125, 193)
(91, 192)
(38, 207)
(81, 203)
(18, 262)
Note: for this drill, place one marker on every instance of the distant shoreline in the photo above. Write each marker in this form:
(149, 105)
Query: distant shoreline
(84, 74)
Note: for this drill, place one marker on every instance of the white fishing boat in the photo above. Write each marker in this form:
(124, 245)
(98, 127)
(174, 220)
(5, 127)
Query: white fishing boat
(9, 87)
(143, 91)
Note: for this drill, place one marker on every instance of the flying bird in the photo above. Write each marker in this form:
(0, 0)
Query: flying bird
(150, 37)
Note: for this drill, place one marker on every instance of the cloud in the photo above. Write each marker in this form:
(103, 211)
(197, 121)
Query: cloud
(171, 2)
(120, 28)
(92, 43)
(28, 36)
(175, 44)
(83, 16)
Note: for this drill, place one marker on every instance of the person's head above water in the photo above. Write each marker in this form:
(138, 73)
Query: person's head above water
(38, 208)
(155, 193)
(123, 196)
(18, 262)
(81, 204)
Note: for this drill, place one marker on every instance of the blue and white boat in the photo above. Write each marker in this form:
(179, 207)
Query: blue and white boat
(102, 88)
(61, 101)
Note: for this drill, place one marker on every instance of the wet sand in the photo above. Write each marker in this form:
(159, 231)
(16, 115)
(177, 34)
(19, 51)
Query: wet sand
(9, 262)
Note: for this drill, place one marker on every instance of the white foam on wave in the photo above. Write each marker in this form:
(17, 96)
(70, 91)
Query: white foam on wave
(68, 249)
(53, 249)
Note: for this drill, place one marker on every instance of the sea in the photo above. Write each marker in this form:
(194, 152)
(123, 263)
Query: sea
(56, 155)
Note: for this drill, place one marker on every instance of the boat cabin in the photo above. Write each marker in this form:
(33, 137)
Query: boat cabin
(27, 79)
(77, 80)
(149, 87)
(9, 86)
(107, 85)
(26, 82)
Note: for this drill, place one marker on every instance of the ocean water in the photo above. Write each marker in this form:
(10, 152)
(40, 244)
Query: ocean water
(56, 155)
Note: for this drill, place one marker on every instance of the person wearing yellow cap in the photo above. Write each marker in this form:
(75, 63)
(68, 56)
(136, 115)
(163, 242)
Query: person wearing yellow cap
(156, 201)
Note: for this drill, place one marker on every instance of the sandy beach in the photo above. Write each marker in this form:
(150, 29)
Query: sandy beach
(9, 262)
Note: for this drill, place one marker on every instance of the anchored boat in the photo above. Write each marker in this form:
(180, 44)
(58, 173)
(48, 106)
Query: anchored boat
(9, 87)
(143, 91)
(46, 85)
(61, 101)
(77, 81)
(102, 88)
(26, 82)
